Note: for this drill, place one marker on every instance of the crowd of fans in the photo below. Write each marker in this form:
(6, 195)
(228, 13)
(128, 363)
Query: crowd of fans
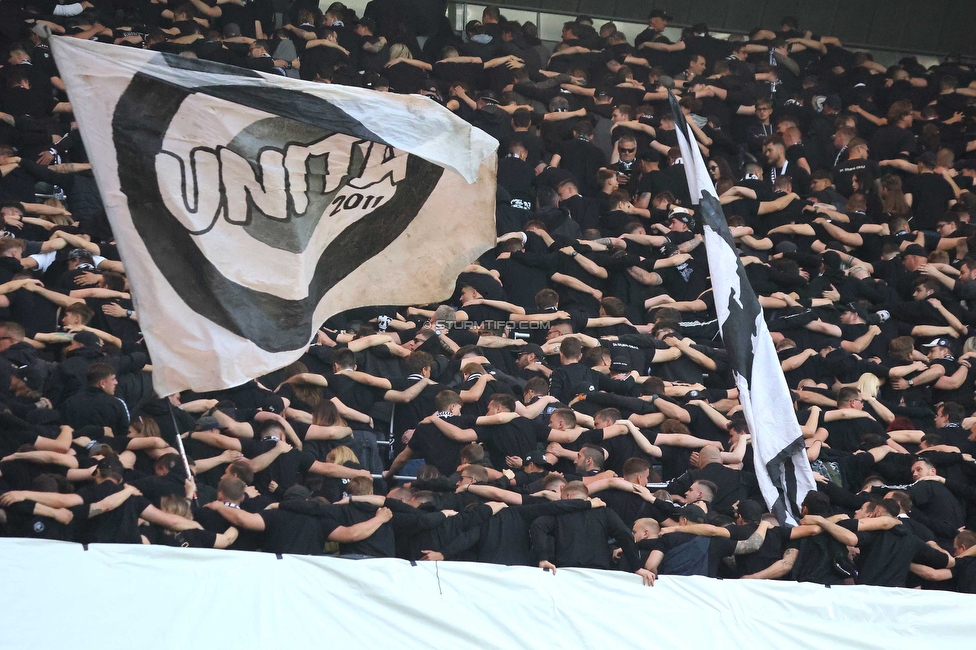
(579, 362)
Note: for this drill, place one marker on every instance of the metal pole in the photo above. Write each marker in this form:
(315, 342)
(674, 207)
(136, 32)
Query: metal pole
(179, 443)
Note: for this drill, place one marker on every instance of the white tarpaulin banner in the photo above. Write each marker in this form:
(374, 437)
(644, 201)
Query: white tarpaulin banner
(57, 595)
(249, 208)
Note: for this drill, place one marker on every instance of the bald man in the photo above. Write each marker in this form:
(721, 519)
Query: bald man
(730, 485)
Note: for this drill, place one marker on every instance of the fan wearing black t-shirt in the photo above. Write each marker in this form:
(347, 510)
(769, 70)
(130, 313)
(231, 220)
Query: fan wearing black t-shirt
(579, 539)
(118, 524)
(963, 573)
(277, 465)
(300, 525)
(429, 443)
(888, 547)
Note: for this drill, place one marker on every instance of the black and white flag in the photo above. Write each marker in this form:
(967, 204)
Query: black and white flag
(782, 467)
(249, 208)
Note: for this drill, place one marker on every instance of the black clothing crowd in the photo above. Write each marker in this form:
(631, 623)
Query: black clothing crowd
(571, 405)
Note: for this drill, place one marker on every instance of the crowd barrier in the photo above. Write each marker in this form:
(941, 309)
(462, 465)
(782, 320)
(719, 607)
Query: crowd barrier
(60, 595)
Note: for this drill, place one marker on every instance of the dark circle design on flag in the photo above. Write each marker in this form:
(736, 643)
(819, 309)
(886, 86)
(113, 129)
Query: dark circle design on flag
(139, 126)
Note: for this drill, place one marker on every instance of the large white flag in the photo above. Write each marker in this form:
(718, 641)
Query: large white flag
(248, 208)
(782, 467)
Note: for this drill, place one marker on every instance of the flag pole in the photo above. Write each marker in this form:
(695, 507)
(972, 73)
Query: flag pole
(179, 444)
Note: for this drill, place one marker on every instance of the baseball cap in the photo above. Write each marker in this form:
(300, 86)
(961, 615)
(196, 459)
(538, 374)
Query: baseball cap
(297, 492)
(232, 30)
(206, 423)
(660, 13)
(79, 254)
(785, 247)
(538, 458)
(619, 366)
(489, 97)
(928, 159)
(857, 309)
(683, 216)
(915, 249)
(939, 342)
(530, 348)
(87, 339)
(694, 514)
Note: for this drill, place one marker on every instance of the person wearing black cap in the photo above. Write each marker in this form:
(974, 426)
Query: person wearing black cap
(652, 180)
(863, 339)
(955, 385)
(530, 361)
(657, 22)
(901, 272)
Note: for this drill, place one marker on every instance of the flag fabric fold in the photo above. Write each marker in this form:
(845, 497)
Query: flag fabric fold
(782, 468)
(249, 208)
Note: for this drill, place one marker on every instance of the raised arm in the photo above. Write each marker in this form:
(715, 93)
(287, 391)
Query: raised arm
(237, 517)
(362, 530)
(453, 432)
(777, 569)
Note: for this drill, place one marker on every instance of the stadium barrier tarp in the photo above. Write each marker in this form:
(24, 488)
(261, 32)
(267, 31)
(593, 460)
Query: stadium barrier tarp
(58, 595)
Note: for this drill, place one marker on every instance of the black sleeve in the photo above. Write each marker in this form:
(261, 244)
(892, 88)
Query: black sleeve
(552, 508)
(633, 404)
(542, 533)
(721, 547)
(412, 524)
(305, 462)
(940, 527)
(462, 542)
(841, 496)
(557, 386)
(643, 341)
(132, 362)
(962, 490)
(681, 484)
(197, 538)
(614, 385)
(930, 557)
(624, 536)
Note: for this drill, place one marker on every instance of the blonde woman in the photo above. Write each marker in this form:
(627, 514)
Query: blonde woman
(335, 489)
(192, 538)
(406, 74)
